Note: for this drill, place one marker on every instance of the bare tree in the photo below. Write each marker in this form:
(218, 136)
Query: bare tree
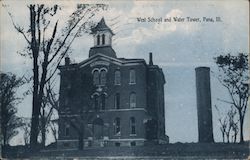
(26, 131)
(235, 130)
(223, 124)
(231, 122)
(54, 128)
(47, 47)
(234, 76)
(228, 124)
(49, 107)
(9, 84)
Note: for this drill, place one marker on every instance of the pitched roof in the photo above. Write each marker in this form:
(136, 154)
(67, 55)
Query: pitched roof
(106, 50)
(101, 26)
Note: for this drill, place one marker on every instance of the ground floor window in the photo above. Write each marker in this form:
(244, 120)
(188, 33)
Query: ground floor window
(117, 144)
(132, 125)
(133, 143)
(117, 127)
(66, 144)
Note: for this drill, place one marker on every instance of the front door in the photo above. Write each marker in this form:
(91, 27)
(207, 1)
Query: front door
(98, 128)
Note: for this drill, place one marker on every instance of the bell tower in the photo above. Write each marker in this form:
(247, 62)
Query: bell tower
(102, 35)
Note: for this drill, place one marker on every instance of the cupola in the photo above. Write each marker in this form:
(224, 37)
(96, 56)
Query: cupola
(102, 35)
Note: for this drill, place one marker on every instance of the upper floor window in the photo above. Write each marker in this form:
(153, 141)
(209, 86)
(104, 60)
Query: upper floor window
(96, 77)
(96, 104)
(103, 39)
(117, 77)
(99, 76)
(103, 77)
(98, 39)
(132, 100)
(132, 125)
(103, 101)
(117, 101)
(66, 101)
(117, 126)
(132, 76)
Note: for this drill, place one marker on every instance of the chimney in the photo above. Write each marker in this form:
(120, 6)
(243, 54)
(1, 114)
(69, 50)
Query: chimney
(151, 58)
(204, 109)
(67, 60)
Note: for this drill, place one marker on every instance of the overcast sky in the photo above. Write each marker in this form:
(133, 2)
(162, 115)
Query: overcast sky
(177, 47)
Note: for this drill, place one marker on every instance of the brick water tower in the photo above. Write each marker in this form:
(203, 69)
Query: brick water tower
(204, 109)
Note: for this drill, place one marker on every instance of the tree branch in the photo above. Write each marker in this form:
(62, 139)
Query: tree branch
(19, 29)
(68, 34)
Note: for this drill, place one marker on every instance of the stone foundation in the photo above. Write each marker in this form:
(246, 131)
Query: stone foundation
(89, 143)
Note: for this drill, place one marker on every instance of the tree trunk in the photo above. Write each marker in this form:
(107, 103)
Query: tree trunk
(241, 126)
(43, 131)
(80, 146)
(35, 108)
(235, 135)
(35, 101)
(227, 134)
(81, 137)
(223, 137)
(4, 138)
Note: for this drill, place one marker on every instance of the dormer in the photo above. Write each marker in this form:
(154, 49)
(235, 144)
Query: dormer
(102, 34)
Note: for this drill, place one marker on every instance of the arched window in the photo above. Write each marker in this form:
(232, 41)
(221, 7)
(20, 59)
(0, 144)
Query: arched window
(96, 77)
(103, 39)
(98, 39)
(117, 77)
(67, 127)
(103, 77)
(132, 125)
(117, 101)
(132, 77)
(103, 101)
(117, 126)
(132, 100)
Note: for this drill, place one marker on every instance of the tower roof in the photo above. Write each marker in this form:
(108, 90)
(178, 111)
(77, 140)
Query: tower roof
(101, 26)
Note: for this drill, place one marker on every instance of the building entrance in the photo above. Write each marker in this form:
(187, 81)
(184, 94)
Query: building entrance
(98, 126)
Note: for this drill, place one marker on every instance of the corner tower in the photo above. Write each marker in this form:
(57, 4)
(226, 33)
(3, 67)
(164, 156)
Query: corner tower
(102, 35)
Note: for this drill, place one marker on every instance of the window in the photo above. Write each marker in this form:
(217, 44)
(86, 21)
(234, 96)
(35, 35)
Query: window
(68, 86)
(132, 76)
(117, 126)
(96, 77)
(117, 144)
(65, 144)
(98, 40)
(132, 100)
(103, 39)
(117, 101)
(133, 143)
(103, 101)
(117, 77)
(132, 125)
(67, 130)
(96, 102)
(103, 77)
(66, 101)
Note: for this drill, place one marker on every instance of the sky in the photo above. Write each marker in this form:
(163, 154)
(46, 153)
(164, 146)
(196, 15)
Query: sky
(177, 47)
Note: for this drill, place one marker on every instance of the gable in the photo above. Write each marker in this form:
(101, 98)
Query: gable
(100, 59)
